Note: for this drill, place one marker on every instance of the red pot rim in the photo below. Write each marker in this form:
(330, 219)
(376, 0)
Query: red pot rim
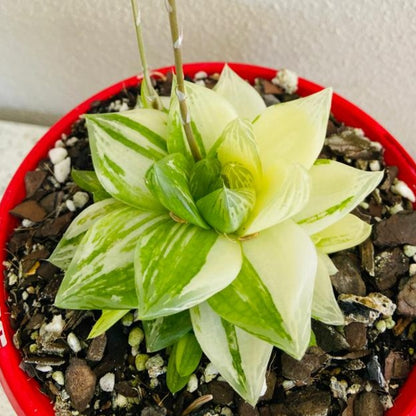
(23, 392)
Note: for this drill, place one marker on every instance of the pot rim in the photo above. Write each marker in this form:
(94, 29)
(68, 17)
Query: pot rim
(23, 392)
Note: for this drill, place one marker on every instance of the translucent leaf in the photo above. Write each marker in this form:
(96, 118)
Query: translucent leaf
(205, 177)
(174, 380)
(240, 358)
(285, 260)
(168, 180)
(345, 233)
(209, 114)
(284, 192)
(68, 245)
(236, 176)
(180, 265)
(294, 130)
(87, 180)
(244, 98)
(165, 331)
(101, 274)
(107, 319)
(336, 189)
(123, 147)
(188, 355)
(324, 306)
(227, 209)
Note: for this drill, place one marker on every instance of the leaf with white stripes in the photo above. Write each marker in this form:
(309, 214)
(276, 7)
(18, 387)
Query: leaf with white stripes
(205, 177)
(123, 147)
(240, 358)
(336, 189)
(107, 319)
(68, 245)
(88, 181)
(180, 265)
(101, 274)
(168, 180)
(325, 306)
(345, 233)
(244, 98)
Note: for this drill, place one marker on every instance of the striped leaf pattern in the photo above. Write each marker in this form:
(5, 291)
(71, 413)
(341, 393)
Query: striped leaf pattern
(107, 319)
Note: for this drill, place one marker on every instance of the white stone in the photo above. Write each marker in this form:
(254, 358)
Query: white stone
(44, 368)
(70, 205)
(56, 326)
(120, 401)
(409, 250)
(59, 143)
(57, 154)
(62, 170)
(71, 141)
(192, 383)
(286, 79)
(402, 189)
(73, 342)
(154, 366)
(375, 165)
(395, 209)
(107, 382)
(210, 373)
(124, 107)
(412, 269)
(200, 75)
(58, 376)
(27, 223)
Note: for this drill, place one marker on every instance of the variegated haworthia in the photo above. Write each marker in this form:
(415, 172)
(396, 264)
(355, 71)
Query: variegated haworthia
(238, 241)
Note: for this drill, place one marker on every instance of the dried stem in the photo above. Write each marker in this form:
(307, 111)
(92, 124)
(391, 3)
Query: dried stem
(152, 96)
(180, 91)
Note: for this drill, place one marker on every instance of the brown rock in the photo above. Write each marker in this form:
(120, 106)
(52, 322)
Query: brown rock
(80, 383)
(30, 210)
(398, 229)
(47, 270)
(302, 370)
(222, 392)
(51, 201)
(55, 227)
(308, 401)
(274, 410)
(356, 335)
(270, 88)
(29, 260)
(396, 367)
(348, 278)
(97, 347)
(126, 389)
(153, 411)
(406, 299)
(368, 404)
(390, 174)
(328, 338)
(271, 380)
(246, 409)
(33, 181)
(389, 266)
(367, 256)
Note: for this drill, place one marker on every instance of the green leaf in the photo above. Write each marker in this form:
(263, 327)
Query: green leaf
(165, 331)
(209, 114)
(188, 355)
(240, 358)
(168, 180)
(285, 260)
(236, 176)
(293, 130)
(101, 274)
(244, 98)
(205, 177)
(123, 147)
(248, 304)
(67, 246)
(227, 209)
(180, 265)
(107, 319)
(325, 307)
(345, 233)
(336, 189)
(174, 380)
(87, 180)
(284, 192)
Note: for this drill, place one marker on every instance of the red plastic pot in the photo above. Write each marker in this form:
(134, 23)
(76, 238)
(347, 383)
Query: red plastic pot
(23, 392)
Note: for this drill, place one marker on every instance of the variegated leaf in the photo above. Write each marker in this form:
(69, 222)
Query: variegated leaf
(240, 358)
(336, 189)
(107, 319)
(123, 147)
(101, 274)
(243, 97)
(293, 130)
(284, 192)
(235, 176)
(174, 380)
(345, 233)
(68, 245)
(205, 177)
(168, 180)
(180, 265)
(87, 180)
(324, 306)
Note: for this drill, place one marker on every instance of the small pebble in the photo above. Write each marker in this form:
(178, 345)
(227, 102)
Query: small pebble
(44, 368)
(71, 141)
(381, 326)
(80, 199)
(412, 269)
(120, 401)
(395, 208)
(140, 361)
(57, 154)
(401, 188)
(409, 250)
(70, 205)
(58, 376)
(56, 326)
(154, 382)
(107, 382)
(192, 383)
(210, 373)
(27, 223)
(286, 79)
(62, 170)
(59, 143)
(127, 319)
(124, 107)
(74, 343)
(136, 336)
(154, 366)
(200, 75)
(375, 165)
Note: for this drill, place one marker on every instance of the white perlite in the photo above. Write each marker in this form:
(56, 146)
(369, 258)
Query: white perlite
(210, 373)
(70, 205)
(409, 250)
(192, 383)
(71, 141)
(62, 170)
(57, 154)
(400, 188)
(107, 382)
(73, 342)
(58, 376)
(154, 366)
(200, 75)
(412, 269)
(286, 79)
(56, 326)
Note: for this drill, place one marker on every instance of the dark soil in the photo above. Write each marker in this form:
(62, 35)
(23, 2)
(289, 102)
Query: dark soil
(355, 370)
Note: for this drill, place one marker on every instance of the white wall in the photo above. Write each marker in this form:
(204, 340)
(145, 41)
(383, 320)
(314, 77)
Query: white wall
(55, 53)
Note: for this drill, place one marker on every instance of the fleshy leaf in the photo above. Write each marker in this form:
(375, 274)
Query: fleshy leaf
(324, 306)
(284, 192)
(248, 303)
(209, 114)
(87, 180)
(123, 147)
(164, 332)
(345, 233)
(107, 319)
(68, 245)
(188, 355)
(240, 358)
(336, 189)
(174, 380)
(285, 260)
(293, 130)
(227, 209)
(168, 180)
(180, 265)
(244, 98)
(101, 274)
(236, 176)
(205, 177)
